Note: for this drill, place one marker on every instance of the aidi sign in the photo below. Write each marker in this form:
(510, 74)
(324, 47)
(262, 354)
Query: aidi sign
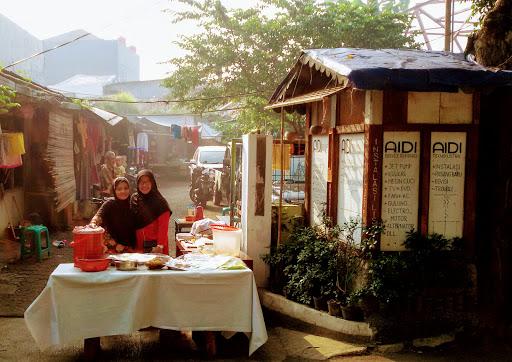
(350, 181)
(319, 170)
(400, 187)
(447, 174)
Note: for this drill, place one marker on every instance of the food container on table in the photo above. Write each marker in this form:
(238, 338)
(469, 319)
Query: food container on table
(87, 243)
(199, 213)
(126, 265)
(226, 239)
(94, 265)
(191, 211)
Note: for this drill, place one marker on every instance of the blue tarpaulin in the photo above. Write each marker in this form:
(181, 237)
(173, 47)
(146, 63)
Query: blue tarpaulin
(408, 70)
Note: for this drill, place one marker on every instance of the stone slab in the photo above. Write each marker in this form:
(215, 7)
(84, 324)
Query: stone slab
(280, 304)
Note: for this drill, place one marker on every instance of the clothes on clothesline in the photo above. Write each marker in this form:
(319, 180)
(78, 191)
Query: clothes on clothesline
(143, 141)
(191, 134)
(176, 131)
(12, 146)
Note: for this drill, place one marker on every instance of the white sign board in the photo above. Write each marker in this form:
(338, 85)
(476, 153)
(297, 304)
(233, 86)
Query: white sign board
(400, 187)
(447, 172)
(350, 180)
(319, 168)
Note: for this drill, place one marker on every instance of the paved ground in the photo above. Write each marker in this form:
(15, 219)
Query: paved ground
(20, 284)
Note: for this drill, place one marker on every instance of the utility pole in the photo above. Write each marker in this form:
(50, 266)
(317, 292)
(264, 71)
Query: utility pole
(448, 26)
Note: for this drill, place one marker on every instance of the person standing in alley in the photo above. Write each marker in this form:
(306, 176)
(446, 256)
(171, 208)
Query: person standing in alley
(152, 214)
(107, 174)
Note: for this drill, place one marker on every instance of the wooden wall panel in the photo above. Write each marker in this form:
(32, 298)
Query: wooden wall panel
(352, 103)
(372, 174)
(394, 108)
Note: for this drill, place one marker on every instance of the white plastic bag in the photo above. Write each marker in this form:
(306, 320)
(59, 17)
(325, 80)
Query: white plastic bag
(201, 227)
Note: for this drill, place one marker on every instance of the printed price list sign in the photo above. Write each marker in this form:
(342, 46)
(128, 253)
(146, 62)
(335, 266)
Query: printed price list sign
(447, 173)
(400, 187)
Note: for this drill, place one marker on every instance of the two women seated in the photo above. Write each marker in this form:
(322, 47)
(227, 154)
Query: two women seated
(138, 222)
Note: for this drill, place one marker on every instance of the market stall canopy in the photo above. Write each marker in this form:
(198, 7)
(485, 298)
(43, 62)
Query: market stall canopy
(382, 69)
(111, 118)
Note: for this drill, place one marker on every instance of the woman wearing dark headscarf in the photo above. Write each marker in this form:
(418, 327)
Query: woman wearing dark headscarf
(117, 219)
(152, 214)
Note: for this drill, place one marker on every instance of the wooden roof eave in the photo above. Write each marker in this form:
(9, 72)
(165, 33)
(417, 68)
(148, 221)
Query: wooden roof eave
(291, 104)
(278, 99)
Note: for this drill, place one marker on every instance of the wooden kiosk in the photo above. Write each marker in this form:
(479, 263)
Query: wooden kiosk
(391, 135)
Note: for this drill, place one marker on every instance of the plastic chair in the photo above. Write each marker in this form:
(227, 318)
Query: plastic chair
(35, 238)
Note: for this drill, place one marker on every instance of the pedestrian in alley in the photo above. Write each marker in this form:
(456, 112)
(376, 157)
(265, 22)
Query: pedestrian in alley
(152, 214)
(107, 174)
(118, 220)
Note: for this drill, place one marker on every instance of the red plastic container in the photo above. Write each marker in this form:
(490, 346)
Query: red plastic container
(199, 213)
(87, 244)
(93, 265)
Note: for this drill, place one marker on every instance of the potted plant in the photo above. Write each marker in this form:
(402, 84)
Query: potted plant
(351, 310)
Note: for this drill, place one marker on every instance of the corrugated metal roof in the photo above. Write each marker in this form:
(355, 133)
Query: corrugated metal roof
(110, 118)
(306, 98)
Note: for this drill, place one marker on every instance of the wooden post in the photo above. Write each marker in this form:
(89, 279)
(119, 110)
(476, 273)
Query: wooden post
(448, 26)
(279, 221)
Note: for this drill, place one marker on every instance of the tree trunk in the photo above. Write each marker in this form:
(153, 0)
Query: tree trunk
(492, 44)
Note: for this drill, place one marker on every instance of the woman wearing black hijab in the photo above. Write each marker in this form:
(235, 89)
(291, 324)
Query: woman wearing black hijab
(152, 214)
(117, 219)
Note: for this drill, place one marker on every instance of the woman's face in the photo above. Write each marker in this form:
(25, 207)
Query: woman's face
(144, 185)
(122, 191)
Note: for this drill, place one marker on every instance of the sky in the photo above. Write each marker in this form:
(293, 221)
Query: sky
(142, 22)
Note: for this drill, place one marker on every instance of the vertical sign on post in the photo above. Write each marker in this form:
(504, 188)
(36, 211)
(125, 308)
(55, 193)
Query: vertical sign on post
(400, 187)
(319, 168)
(447, 172)
(350, 181)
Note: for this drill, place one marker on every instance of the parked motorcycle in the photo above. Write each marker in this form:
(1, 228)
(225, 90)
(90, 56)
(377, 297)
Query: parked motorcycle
(201, 188)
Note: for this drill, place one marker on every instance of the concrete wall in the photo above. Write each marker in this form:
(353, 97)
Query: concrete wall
(8, 211)
(256, 228)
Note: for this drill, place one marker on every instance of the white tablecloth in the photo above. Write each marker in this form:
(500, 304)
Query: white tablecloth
(75, 305)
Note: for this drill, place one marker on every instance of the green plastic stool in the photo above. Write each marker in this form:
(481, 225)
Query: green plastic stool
(35, 238)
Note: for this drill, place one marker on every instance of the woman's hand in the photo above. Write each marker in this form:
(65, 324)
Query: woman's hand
(157, 249)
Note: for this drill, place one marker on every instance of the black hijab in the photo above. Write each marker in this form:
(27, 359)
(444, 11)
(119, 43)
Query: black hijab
(117, 218)
(149, 207)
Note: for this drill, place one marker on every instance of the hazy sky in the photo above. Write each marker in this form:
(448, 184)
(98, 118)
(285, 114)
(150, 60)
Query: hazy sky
(141, 22)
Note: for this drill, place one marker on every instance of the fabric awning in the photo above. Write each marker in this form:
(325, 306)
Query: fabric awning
(306, 98)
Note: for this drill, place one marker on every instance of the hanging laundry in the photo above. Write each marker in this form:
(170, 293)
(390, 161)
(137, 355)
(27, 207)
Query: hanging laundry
(143, 141)
(131, 139)
(176, 131)
(15, 143)
(194, 137)
(185, 133)
(11, 148)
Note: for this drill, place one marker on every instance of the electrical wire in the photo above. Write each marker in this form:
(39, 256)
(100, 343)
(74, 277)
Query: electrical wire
(46, 51)
(189, 113)
(167, 101)
(72, 40)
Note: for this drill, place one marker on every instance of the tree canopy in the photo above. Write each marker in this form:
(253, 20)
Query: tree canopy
(241, 55)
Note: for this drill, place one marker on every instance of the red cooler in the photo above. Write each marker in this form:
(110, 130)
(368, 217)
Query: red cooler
(87, 244)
